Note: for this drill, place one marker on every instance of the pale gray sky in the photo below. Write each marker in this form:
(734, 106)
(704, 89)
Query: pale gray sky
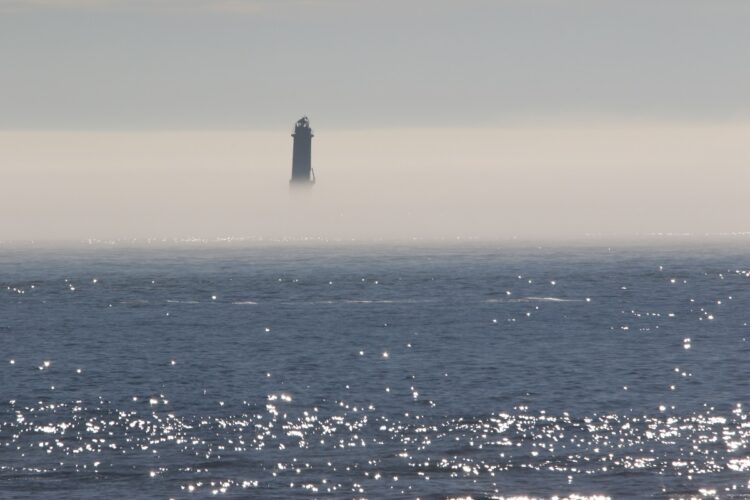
(200, 64)
(433, 118)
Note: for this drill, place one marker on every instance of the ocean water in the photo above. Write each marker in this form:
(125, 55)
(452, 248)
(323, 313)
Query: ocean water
(374, 372)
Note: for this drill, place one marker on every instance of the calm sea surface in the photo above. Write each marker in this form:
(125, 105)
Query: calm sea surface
(378, 372)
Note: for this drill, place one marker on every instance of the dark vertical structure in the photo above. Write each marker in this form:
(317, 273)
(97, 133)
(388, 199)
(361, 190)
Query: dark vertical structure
(302, 172)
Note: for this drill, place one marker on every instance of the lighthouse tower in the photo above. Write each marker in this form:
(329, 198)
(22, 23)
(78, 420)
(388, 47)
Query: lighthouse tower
(302, 172)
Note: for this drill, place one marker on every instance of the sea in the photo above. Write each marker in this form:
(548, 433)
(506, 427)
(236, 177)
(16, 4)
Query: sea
(337, 370)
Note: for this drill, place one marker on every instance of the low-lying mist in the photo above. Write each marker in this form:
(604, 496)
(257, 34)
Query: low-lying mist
(542, 183)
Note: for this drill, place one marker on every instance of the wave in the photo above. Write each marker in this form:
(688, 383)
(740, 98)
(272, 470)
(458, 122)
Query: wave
(550, 299)
(359, 301)
(533, 299)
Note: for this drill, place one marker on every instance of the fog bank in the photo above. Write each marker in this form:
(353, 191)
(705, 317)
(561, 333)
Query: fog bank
(552, 182)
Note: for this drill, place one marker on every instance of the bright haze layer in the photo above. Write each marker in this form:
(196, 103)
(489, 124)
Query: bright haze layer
(432, 119)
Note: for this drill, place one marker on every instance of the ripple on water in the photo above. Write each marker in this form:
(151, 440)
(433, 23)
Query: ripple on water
(354, 449)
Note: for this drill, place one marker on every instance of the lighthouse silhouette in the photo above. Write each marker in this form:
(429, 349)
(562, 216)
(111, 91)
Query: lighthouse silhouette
(302, 172)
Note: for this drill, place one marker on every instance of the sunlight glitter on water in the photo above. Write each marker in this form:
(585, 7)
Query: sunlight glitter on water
(69, 436)
(620, 377)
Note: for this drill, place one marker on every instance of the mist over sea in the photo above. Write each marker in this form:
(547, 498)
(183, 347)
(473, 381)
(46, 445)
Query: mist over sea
(375, 371)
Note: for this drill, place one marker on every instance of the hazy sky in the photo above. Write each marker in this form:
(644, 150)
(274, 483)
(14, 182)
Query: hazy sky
(134, 64)
(125, 118)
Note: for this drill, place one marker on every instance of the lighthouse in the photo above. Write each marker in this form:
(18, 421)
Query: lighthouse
(302, 172)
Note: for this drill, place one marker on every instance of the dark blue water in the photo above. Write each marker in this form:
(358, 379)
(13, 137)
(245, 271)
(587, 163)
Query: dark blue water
(379, 372)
